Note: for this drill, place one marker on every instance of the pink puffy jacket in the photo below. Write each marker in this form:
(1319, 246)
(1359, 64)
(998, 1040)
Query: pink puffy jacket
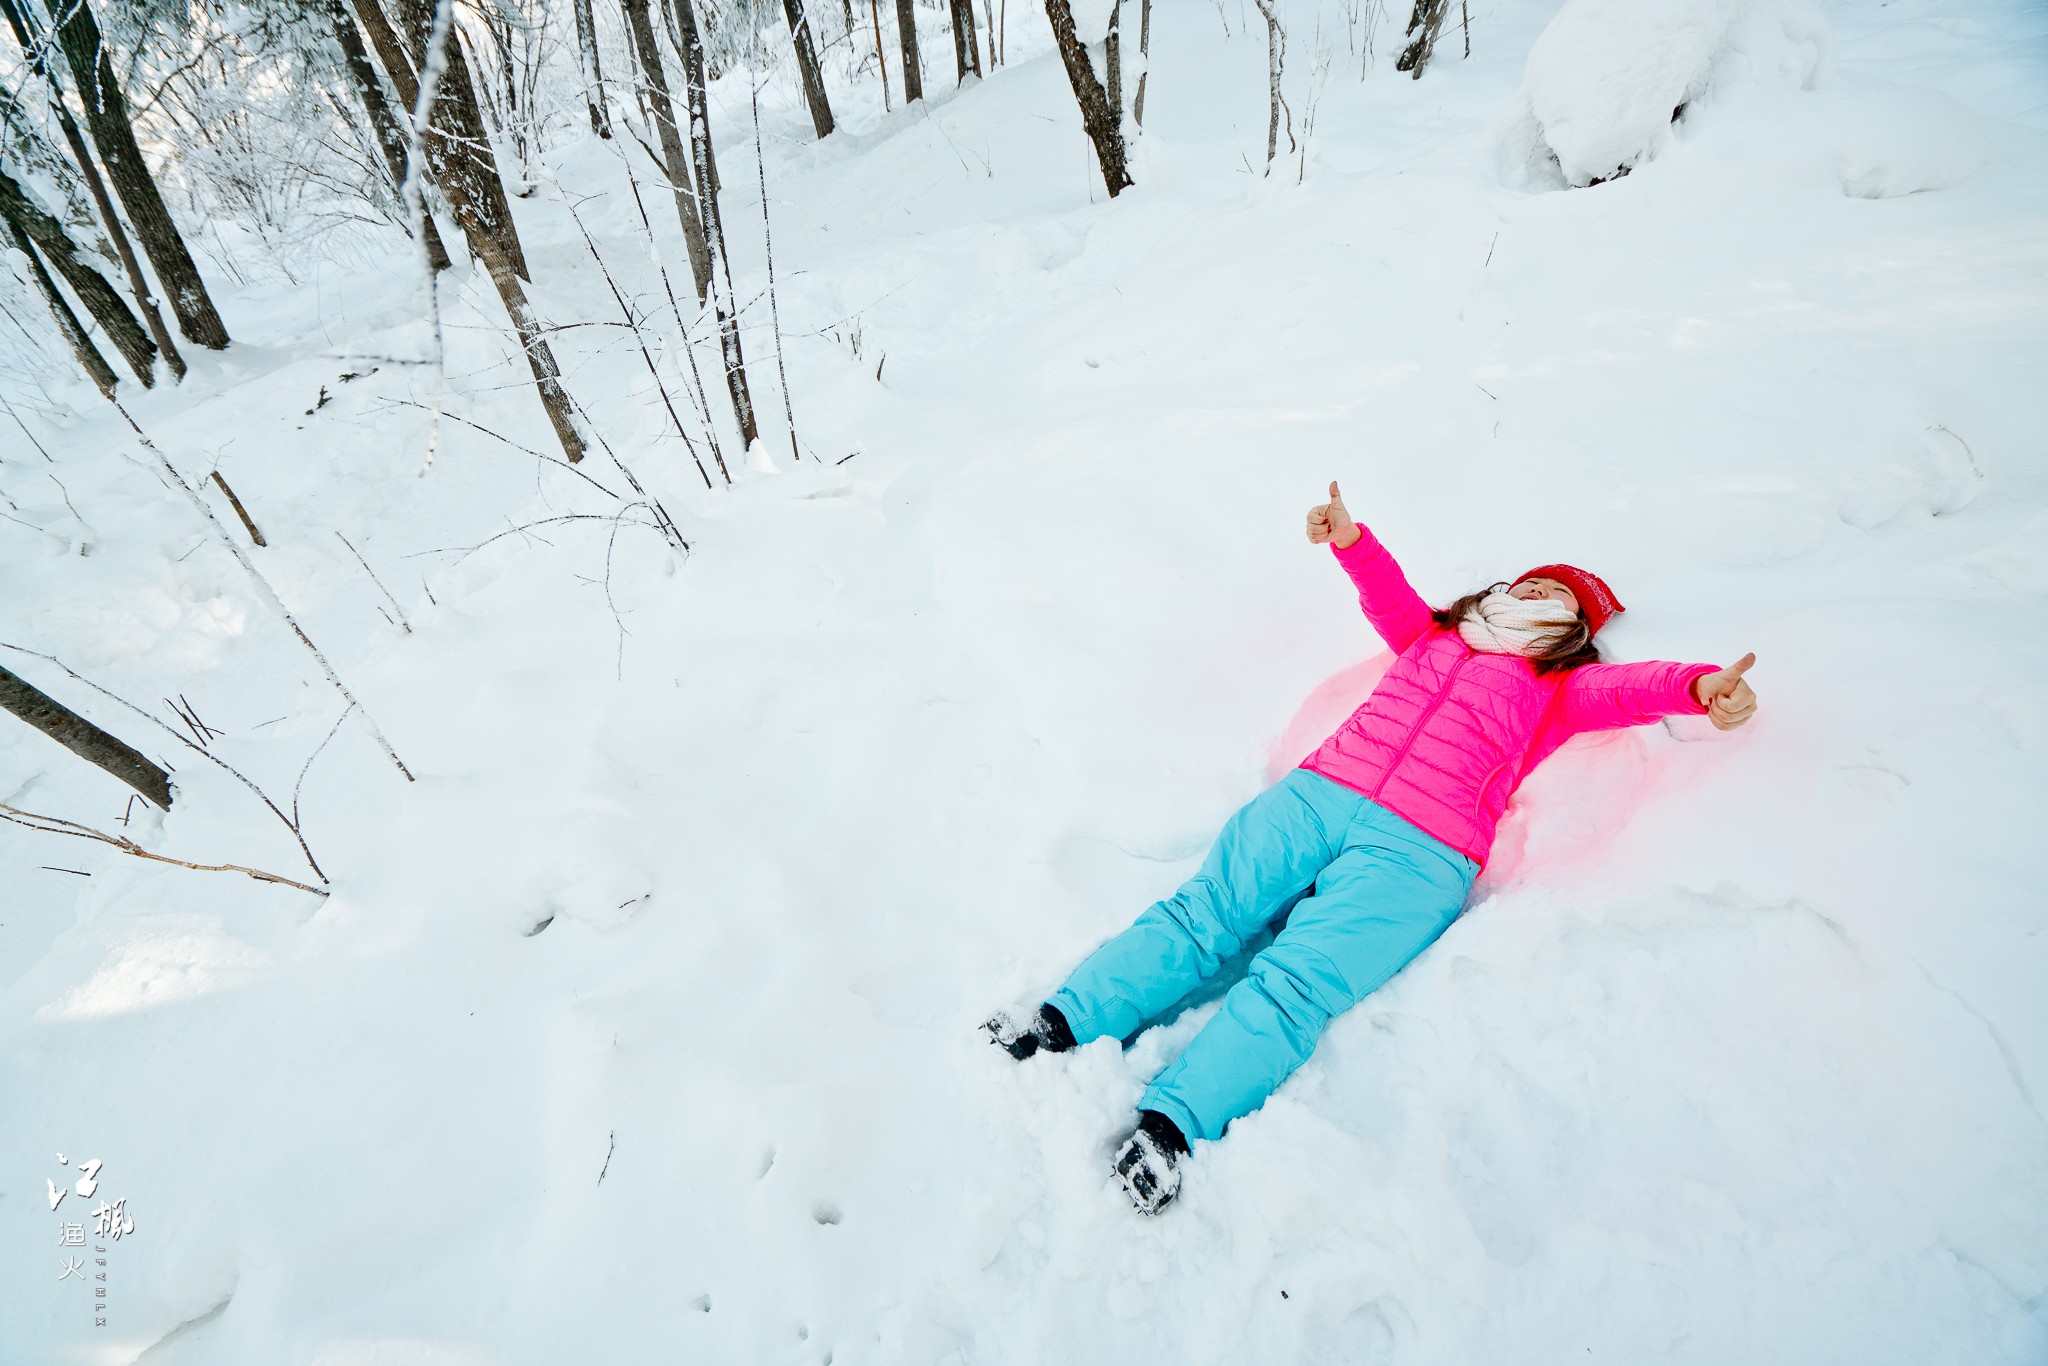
(1450, 732)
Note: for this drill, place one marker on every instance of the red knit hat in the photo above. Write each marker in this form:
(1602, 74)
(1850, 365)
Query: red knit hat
(1597, 603)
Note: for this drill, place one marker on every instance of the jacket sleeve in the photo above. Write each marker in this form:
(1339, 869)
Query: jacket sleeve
(1395, 610)
(1609, 696)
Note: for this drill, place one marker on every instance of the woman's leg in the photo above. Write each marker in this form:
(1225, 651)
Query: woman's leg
(1384, 900)
(1268, 853)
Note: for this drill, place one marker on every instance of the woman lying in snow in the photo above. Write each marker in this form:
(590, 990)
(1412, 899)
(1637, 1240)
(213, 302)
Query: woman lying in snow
(1368, 849)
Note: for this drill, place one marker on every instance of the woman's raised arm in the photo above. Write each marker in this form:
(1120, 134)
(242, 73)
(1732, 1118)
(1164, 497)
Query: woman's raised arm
(1394, 608)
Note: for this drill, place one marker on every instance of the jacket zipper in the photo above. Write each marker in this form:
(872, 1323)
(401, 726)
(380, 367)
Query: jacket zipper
(1423, 720)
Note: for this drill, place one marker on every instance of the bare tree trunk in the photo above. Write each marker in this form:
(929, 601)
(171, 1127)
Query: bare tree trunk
(106, 116)
(101, 299)
(906, 38)
(1096, 115)
(1424, 24)
(89, 356)
(881, 57)
(398, 68)
(707, 176)
(966, 55)
(675, 163)
(84, 739)
(457, 147)
(138, 284)
(384, 126)
(807, 66)
(540, 357)
(1144, 61)
(593, 73)
(1113, 58)
(461, 162)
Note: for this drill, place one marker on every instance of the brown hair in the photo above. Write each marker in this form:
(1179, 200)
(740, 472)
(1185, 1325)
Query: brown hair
(1574, 649)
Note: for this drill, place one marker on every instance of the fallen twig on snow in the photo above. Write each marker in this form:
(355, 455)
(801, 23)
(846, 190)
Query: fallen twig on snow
(57, 825)
(379, 582)
(264, 590)
(542, 456)
(240, 511)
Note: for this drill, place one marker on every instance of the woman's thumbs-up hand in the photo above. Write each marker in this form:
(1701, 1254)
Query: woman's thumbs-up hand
(1726, 695)
(1330, 522)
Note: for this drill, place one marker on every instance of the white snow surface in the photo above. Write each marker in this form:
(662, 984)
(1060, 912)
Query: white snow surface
(642, 1026)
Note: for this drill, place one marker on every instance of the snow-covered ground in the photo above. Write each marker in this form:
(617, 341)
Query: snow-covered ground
(641, 1028)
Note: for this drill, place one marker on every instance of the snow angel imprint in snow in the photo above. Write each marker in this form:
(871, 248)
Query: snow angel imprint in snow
(1367, 852)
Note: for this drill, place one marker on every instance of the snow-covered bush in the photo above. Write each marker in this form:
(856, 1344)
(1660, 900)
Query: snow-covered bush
(1607, 79)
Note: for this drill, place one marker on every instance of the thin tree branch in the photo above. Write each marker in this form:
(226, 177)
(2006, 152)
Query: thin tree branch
(56, 825)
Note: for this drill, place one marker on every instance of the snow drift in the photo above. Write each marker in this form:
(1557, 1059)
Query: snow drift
(1608, 78)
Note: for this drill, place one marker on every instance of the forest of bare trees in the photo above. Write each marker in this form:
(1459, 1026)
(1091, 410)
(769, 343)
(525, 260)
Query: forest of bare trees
(298, 122)
(155, 154)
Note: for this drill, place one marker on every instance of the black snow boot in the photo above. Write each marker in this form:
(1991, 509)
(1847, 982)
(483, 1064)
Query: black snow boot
(1046, 1030)
(1148, 1164)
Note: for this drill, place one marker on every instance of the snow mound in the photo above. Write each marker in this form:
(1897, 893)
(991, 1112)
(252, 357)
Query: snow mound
(1607, 78)
(1899, 140)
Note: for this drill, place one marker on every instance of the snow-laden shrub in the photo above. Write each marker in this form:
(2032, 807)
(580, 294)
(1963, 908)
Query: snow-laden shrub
(1607, 78)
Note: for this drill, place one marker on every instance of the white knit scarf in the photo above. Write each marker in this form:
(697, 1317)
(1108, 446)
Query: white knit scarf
(1503, 624)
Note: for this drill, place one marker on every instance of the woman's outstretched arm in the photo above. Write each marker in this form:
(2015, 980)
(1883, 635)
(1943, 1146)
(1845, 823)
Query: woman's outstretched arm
(1607, 696)
(1395, 610)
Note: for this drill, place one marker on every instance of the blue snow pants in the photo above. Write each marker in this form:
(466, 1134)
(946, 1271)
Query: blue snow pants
(1380, 892)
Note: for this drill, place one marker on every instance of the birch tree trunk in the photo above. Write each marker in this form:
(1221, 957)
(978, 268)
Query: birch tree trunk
(1144, 61)
(37, 52)
(84, 739)
(1276, 50)
(106, 117)
(385, 129)
(1096, 115)
(660, 110)
(593, 71)
(31, 224)
(95, 365)
(698, 99)
(906, 38)
(807, 66)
